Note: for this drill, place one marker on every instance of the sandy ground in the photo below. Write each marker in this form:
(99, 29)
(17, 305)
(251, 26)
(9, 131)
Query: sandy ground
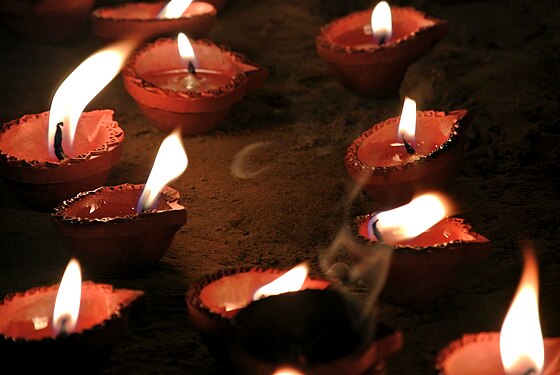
(499, 60)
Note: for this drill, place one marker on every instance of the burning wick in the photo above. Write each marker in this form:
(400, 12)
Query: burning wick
(407, 125)
(63, 322)
(68, 298)
(58, 150)
(408, 221)
(409, 149)
(186, 51)
(382, 39)
(171, 161)
(382, 22)
(191, 68)
(373, 232)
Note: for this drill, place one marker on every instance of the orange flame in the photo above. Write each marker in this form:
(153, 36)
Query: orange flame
(174, 9)
(171, 161)
(410, 220)
(521, 341)
(381, 21)
(291, 281)
(81, 86)
(67, 304)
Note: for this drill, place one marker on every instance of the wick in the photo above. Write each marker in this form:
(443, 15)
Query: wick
(58, 150)
(63, 332)
(374, 230)
(530, 371)
(409, 148)
(382, 39)
(191, 68)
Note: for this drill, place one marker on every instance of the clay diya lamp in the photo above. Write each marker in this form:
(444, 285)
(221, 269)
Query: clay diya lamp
(369, 52)
(403, 156)
(191, 86)
(311, 332)
(426, 245)
(43, 181)
(51, 156)
(121, 230)
(105, 231)
(518, 349)
(216, 298)
(46, 20)
(149, 20)
(71, 328)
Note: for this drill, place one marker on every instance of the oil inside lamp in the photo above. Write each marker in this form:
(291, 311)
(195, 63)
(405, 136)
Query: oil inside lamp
(408, 221)
(174, 9)
(186, 51)
(191, 77)
(381, 153)
(77, 90)
(521, 341)
(67, 304)
(170, 163)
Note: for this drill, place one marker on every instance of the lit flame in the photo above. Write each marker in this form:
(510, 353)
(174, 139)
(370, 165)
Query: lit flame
(174, 9)
(291, 281)
(186, 50)
(521, 341)
(410, 220)
(407, 123)
(81, 86)
(171, 161)
(381, 21)
(67, 305)
(287, 371)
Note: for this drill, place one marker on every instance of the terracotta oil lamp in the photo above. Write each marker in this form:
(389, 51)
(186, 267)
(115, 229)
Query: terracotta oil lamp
(153, 19)
(121, 230)
(215, 299)
(312, 331)
(402, 156)
(45, 20)
(369, 52)
(66, 328)
(189, 85)
(519, 349)
(426, 244)
(51, 156)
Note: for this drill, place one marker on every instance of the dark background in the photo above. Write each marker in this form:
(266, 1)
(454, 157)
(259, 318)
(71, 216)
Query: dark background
(499, 60)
